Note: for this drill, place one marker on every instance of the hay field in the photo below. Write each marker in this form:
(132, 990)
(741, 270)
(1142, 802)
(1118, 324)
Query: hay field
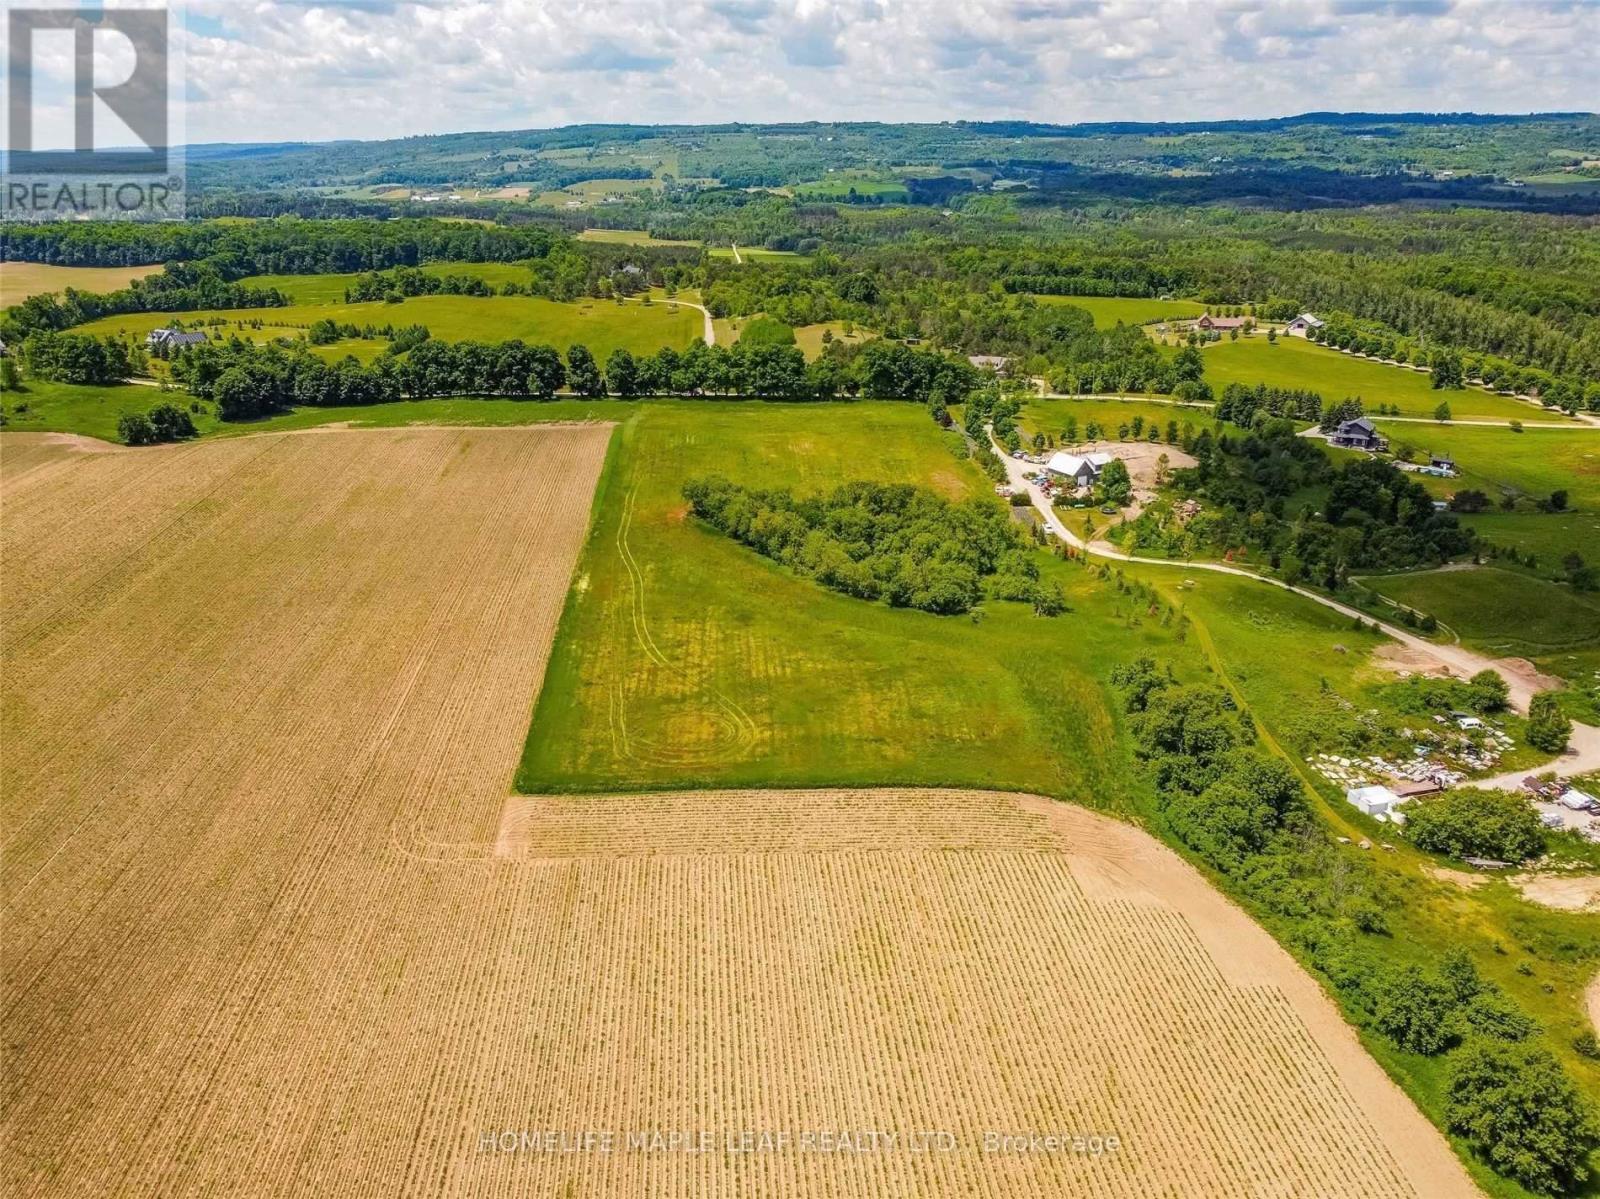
(19, 280)
(242, 677)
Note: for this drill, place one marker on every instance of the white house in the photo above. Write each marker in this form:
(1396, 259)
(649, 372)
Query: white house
(1302, 325)
(1082, 471)
(1376, 801)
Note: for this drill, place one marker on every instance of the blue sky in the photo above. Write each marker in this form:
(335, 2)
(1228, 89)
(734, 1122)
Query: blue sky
(267, 70)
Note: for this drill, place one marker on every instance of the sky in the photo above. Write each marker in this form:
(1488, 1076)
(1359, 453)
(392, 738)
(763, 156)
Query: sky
(278, 70)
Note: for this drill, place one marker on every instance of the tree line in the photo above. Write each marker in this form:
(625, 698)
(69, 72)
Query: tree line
(897, 543)
(247, 381)
(1245, 815)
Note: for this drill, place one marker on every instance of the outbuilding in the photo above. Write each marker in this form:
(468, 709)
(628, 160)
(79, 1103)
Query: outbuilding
(1376, 801)
(1303, 325)
(1080, 471)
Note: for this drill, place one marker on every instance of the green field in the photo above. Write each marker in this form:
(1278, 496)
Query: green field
(629, 237)
(684, 659)
(601, 325)
(1494, 461)
(1050, 416)
(1296, 363)
(840, 184)
(330, 289)
(1498, 611)
(42, 407)
(1114, 310)
(756, 254)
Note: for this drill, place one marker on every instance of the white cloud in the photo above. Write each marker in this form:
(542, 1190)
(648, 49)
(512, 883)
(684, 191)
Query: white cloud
(267, 70)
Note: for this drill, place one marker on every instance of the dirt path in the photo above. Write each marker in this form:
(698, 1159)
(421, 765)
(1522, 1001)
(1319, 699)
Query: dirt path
(1582, 757)
(1592, 997)
(708, 334)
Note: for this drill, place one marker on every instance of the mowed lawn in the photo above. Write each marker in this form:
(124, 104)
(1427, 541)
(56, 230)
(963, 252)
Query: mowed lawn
(19, 280)
(1296, 363)
(685, 659)
(1498, 611)
(602, 325)
(1109, 311)
(1050, 417)
(1531, 463)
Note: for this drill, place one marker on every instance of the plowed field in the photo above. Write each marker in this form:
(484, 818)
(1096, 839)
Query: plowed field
(273, 927)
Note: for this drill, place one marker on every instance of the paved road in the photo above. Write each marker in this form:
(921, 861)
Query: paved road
(1455, 658)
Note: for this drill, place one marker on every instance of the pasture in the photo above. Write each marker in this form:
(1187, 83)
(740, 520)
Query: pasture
(19, 280)
(1498, 611)
(1109, 311)
(1296, 363)
(602, 325)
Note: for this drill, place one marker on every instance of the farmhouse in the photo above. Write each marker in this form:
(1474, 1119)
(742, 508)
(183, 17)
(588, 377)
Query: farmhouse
(1303, 325)
(1081, 471)
(1221, 323)
(1359, 434)
(172, 339)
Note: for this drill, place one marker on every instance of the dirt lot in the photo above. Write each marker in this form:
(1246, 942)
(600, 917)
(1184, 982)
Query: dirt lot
(273, 927)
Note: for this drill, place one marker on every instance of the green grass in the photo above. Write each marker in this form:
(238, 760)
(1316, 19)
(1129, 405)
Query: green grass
(756, 254)
(1112, 310)
(1498, 611)
(601, 325)
(329, 289)
(630, 237)
(1296, 363)
(1528, 465)
(684, 659)
(840, 184)
(1284, 658)
(91, 411)
(1532, 463)
(1050, 416)
(1548, 537)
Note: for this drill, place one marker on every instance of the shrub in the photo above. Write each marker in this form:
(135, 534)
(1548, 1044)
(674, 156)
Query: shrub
(1518, 1109)
(1549, 728)
(1469, 822)
(1415, 1010)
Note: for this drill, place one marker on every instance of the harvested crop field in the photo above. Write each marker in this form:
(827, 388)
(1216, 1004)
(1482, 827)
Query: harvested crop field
(273, 926)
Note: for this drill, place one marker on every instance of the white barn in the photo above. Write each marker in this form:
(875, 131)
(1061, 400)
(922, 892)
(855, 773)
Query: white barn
(1302, 325)
(1081, 470)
